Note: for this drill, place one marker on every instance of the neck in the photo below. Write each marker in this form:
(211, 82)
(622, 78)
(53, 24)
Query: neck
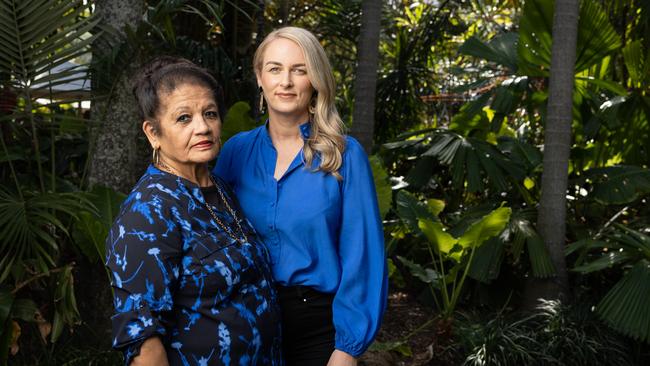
(196, 173)
(285, 128)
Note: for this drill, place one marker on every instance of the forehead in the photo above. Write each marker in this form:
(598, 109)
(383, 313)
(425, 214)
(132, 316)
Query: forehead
(284, 51)
(187, 95)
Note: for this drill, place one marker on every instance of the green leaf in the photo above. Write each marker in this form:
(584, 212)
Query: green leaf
(619, 184)
(410, 210)
(486, 263)
(500, 50)
(426, 275)
(237, 119)
(436, 206)
(490, 226)
(637, 61)
(540, 259)
(607, 260)
(604, 84)
(436, 234)
(382, 185)
(597, 38)
(89, 236)
(625, 307)
(51, 34)
(30, 228)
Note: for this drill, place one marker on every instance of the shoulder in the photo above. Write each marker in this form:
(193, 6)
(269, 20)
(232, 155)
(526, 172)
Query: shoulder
(352, 146)
(153, 188)
(353, 151)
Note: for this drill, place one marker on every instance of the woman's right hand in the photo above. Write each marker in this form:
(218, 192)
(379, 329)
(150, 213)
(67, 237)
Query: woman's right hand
(152, 353)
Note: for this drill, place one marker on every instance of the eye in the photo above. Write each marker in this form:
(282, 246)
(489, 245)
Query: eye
(184, 118)
(211, 114)
(274, 69)
(300, 71)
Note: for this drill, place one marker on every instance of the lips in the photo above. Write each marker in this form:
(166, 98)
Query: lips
(285, 95)
(206, 144)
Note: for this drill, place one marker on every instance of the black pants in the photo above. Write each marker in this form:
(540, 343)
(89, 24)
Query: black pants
(307, 328)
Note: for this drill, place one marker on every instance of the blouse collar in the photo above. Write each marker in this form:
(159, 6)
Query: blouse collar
(305, 131)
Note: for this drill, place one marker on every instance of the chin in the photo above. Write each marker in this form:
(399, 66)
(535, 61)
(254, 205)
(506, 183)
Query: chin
(291, 111)
(205, 158)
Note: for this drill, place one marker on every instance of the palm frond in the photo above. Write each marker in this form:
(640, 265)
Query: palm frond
(32, 52)
(32, 228)
(625, 307)
(472, 160)
(596, 37)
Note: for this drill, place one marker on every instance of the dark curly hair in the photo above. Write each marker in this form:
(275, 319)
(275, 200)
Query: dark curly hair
(163, 75)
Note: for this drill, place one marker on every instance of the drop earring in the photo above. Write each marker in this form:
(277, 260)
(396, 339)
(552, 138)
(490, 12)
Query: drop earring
(155, 156)
(261, 109)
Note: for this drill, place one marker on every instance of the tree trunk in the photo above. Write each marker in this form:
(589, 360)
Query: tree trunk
(557, 145)
(365, 84)
(116, 163)
(115, 154)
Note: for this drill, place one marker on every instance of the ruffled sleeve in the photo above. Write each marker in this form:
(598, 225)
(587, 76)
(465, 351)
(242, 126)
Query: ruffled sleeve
(360, 300)
(144, 251)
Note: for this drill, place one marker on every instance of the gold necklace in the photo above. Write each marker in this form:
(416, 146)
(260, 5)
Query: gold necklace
(232, 213)
(243, 238)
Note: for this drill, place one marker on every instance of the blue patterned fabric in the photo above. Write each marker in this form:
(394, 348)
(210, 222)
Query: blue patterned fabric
(178, 276)
(321, 232)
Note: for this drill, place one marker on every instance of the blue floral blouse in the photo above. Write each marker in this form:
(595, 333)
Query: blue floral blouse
(176, 275)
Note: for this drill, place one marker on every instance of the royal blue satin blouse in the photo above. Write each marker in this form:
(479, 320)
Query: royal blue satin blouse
(320, 232)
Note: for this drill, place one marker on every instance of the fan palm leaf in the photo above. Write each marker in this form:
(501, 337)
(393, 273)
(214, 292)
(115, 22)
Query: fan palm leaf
(624, 307)
(30, 228)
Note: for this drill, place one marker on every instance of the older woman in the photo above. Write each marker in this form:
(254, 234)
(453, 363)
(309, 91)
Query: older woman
(308, 191)
(192, 284)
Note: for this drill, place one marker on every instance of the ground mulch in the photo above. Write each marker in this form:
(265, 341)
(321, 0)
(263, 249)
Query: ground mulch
(416, 327)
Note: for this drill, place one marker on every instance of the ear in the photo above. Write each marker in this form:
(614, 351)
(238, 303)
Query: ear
(259, 80)
(150, 132)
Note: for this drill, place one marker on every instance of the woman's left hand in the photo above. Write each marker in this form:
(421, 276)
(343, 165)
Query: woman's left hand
(340, 358)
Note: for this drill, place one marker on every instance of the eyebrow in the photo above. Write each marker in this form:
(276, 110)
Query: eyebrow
(185, 107)
(280, 64)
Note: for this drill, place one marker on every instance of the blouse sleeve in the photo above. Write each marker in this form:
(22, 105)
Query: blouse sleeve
(360, 300)
(144, 250)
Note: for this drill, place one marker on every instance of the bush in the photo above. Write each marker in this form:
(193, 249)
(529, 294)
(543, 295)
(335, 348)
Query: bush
(553, 334)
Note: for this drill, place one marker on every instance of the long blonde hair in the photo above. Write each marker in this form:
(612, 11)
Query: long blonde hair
(326, 136)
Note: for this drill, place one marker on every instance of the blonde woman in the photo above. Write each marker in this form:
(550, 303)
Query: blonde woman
(308, 191)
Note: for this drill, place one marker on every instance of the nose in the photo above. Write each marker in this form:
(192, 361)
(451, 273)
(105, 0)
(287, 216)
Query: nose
(286, 79)
(202, 125)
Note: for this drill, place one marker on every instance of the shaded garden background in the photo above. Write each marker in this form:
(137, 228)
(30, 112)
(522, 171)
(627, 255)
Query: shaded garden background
(453, 100)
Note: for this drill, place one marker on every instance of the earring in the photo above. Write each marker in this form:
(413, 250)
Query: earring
(261, 109)
(312, 105)
(155, 156)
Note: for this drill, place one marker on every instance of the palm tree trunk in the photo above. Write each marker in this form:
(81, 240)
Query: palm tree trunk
(557, 144)
(115, 155)
(363, 120)
(365, 84)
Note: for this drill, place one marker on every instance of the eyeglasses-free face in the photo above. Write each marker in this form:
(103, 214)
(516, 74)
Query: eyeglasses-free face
(188, 128)
(285, 81)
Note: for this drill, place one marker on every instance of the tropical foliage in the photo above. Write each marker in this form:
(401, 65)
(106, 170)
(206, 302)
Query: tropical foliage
(460, 119)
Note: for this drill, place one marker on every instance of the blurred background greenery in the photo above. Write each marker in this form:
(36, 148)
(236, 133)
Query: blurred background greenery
(459, 93)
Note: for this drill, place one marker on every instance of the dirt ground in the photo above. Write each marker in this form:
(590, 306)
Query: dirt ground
(411, 323)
